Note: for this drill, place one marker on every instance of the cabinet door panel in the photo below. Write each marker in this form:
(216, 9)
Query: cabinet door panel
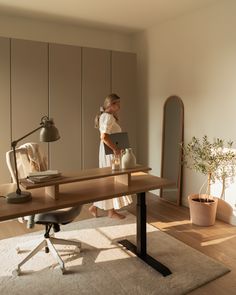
(5, 132)
(29, 86)
(96, 85)
(124, 84)
(65, 106)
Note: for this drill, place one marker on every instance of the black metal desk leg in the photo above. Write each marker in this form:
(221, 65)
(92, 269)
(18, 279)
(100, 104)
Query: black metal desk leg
(141, 225)
(141, 249)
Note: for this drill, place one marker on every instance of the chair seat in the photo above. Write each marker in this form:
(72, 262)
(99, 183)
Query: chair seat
(58, 216)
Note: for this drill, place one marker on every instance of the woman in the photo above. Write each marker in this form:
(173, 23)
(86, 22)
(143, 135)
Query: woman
(107, 122)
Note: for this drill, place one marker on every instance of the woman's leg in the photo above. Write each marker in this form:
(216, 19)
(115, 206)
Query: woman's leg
(114, 214)
(111, 213)
(108, 205)
(93, 210)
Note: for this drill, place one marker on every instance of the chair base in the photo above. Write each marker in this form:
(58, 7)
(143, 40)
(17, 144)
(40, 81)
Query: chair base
(49, 243)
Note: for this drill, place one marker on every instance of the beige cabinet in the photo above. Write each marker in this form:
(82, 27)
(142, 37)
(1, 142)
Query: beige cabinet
(124, 84)
(69, 84)
(96, 85)
(65, 106)
(29, 87)
(5, 131)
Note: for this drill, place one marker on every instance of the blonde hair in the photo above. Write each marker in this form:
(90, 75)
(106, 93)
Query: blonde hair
(109, 100)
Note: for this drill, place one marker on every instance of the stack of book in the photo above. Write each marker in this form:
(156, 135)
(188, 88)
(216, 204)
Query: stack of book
(43, 176)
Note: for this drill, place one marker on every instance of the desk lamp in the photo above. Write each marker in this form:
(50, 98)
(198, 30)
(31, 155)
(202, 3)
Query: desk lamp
(48, 133)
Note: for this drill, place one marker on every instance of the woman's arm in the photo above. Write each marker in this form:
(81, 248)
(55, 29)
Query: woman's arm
(107, 140)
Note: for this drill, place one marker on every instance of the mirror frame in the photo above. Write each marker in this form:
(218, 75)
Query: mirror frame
(180, 170)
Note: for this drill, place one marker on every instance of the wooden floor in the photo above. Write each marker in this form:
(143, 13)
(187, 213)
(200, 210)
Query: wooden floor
(218, 241)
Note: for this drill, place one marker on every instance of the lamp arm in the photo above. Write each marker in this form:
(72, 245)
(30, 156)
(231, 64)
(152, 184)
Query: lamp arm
(14, 143)
(18, 190)
(49, 133)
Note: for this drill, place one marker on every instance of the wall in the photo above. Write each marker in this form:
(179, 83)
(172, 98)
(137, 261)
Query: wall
(193, 57)
(38, 78)
(45, 31)
(30, 29)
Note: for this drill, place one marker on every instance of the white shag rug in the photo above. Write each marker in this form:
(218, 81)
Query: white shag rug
(104, 267)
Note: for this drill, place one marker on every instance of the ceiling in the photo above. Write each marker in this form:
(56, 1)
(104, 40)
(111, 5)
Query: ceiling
(119, 15)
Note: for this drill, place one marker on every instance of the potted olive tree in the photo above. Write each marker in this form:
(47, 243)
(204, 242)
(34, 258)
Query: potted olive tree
(215, 160)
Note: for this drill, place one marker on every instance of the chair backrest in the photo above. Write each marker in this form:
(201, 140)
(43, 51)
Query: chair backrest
(29, 158)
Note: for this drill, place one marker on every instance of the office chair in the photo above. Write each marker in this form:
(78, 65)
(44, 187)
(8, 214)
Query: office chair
(30, 158)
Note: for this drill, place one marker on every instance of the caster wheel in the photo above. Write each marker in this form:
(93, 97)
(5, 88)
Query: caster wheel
(63, 271)
(16, 272)
(18, 250)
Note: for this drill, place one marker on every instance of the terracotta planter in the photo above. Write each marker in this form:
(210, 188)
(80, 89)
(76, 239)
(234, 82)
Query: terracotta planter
(202, 213)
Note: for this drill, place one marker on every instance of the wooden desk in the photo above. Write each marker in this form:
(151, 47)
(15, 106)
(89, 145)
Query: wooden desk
(79, 193)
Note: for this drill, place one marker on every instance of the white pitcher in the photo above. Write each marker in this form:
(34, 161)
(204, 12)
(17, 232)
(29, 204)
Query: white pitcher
(128, 159)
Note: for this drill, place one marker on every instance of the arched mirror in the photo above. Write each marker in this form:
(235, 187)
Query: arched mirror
(172, 136)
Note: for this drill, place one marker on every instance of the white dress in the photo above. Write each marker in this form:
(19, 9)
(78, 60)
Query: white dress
(108, 124)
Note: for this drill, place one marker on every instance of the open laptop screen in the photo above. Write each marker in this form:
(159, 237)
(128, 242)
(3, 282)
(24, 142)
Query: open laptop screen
(120, 139)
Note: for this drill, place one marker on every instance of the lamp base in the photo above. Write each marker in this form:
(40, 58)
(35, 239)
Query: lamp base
(15, 198)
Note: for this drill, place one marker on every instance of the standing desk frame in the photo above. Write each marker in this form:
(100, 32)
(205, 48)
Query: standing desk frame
(99, 184)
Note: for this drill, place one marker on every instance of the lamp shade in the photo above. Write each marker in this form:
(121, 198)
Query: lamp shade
(48, 132)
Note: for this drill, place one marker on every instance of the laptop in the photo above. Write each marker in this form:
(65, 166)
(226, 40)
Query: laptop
(120, 139)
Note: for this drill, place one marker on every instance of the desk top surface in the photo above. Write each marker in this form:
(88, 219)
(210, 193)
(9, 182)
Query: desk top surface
(78, 193)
